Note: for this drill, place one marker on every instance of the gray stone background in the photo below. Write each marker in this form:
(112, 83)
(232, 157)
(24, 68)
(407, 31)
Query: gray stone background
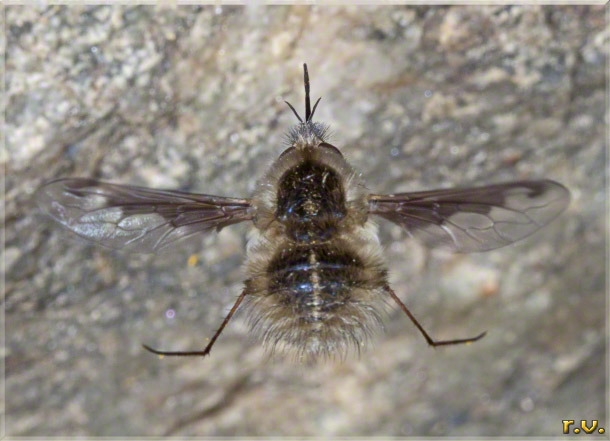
(191, 98)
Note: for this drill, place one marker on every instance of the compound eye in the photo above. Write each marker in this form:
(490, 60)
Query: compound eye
(326, 145)
(285, 152)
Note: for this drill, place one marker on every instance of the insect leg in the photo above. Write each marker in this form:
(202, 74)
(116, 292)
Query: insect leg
(208, 348)
(429, 339)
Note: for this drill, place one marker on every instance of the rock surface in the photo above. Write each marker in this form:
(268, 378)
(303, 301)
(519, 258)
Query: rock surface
(192, 98)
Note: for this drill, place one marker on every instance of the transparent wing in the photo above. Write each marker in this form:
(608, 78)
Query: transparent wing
(474, 219)
(136, 218)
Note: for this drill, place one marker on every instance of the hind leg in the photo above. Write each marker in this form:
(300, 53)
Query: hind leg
(208, 348)
(429, 339)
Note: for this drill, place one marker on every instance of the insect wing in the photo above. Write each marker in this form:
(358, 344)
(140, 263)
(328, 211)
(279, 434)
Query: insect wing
(474, 219)
(136, 218)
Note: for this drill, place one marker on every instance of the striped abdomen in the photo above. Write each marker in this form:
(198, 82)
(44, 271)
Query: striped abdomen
(314, 280)
(317, 299)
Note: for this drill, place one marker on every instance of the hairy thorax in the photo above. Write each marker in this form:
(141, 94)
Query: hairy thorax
(315, 272)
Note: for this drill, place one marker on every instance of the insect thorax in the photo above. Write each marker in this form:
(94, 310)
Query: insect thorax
(311, 202)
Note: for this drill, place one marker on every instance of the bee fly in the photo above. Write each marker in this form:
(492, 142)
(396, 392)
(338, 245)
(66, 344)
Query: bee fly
(315, 275)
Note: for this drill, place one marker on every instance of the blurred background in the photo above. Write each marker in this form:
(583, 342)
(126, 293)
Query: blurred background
(192, 98)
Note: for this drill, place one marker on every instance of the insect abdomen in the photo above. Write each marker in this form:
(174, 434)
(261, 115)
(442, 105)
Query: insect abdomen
(317, 299)
(313, 280)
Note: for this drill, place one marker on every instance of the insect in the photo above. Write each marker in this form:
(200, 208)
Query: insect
(316, 278)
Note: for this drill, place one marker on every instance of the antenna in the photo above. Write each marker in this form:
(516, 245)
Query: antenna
(308, 112)
(294, 111)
